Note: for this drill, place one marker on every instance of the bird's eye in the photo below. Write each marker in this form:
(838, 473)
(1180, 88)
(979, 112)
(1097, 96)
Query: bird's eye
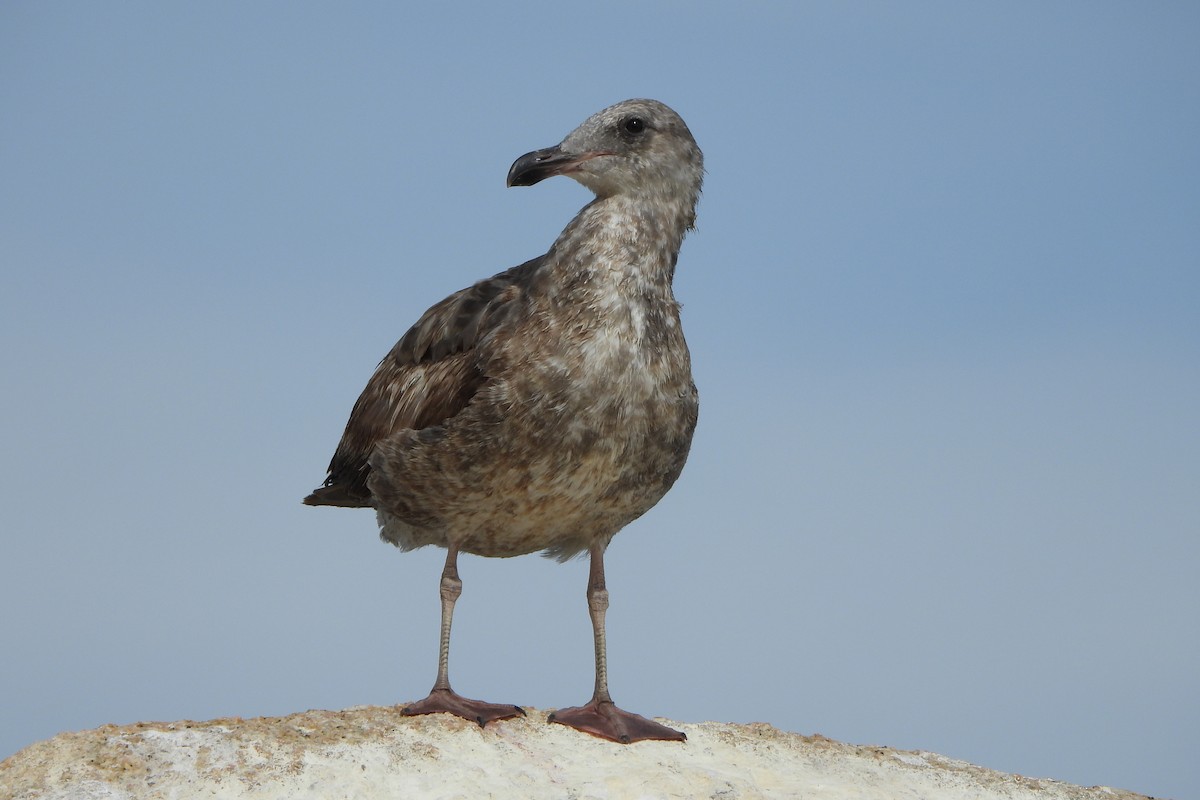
(635, 125)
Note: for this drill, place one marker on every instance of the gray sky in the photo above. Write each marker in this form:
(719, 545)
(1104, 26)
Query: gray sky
(942, 304)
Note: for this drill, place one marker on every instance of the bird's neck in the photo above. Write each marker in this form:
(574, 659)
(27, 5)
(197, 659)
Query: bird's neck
(634, 240)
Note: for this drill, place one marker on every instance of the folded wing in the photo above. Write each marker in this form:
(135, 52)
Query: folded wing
(428, 377)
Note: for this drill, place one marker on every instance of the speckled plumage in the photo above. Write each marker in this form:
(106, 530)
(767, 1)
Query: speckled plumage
(546, 407)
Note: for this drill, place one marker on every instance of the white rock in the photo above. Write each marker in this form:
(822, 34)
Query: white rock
(373, 752)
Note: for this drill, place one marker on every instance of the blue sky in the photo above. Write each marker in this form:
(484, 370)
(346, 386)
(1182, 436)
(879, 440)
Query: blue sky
(942, 304)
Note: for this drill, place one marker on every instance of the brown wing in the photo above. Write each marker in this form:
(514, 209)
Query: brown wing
(427, 378)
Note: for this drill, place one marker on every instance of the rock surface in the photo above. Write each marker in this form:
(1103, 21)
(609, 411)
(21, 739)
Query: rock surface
(374, 752)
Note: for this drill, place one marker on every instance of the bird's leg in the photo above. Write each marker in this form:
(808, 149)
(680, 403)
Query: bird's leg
(442, 697)
(600, 717)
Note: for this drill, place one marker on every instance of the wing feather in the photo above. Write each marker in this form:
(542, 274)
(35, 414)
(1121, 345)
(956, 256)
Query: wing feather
(428, 377)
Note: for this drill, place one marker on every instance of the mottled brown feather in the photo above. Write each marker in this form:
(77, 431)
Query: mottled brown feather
(429, 376)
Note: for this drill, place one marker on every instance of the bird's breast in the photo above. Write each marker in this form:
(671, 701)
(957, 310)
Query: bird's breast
(608, 379)
(625, 345)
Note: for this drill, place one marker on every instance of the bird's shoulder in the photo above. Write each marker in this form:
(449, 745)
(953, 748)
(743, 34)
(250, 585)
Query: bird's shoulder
(459, 322)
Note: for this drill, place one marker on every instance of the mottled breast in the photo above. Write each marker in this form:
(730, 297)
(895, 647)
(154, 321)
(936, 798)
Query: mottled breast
(584, 426)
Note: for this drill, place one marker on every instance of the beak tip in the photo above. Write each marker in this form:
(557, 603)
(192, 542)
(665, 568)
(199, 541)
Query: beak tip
(535, 166)
(514, 178)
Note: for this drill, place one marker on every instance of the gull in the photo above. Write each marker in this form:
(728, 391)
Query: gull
(547, 407)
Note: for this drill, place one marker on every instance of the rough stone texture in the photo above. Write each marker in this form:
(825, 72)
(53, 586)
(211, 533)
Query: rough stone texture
(373, 752)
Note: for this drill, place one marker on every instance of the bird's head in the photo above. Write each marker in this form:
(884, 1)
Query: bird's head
(635, 148)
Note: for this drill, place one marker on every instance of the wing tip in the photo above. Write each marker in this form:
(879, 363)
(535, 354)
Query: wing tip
(336, 495)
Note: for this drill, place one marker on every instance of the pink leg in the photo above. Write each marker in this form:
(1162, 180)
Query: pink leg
(442, 698)
(601, 717)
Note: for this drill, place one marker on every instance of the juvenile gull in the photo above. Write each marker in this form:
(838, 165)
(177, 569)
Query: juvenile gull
(549, 406)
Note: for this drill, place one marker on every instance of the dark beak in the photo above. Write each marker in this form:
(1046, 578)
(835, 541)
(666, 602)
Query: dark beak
(541, 164)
